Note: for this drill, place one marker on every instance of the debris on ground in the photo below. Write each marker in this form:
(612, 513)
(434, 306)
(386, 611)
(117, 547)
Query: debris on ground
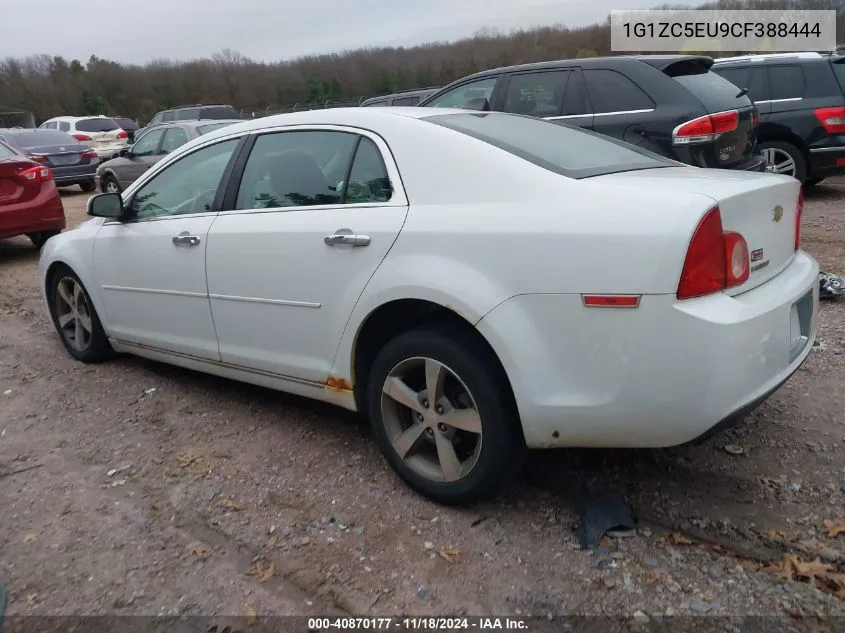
(735, 449)
(831, 286)
(602, 513)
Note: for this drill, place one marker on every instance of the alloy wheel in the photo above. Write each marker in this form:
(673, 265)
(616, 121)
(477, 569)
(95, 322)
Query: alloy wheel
(73, 314)
(111, 186)
(779, 161)
(431, 419)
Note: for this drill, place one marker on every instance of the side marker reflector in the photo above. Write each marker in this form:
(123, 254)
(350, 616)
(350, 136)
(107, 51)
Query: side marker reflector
(611, 301)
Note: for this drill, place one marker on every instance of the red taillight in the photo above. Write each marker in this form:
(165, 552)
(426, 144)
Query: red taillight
(36, 175)
(799, 211)
(755, 117)
(832, 119)
(38, 159)
(88, 154)
(122, 134)
(81, 137)
(716, 260)
(706, 128)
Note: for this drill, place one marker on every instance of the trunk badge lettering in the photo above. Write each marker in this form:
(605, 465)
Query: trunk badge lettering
(777, 213)
(757, 255)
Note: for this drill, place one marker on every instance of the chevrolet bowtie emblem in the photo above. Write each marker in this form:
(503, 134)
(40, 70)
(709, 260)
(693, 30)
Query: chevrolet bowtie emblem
(777, 213)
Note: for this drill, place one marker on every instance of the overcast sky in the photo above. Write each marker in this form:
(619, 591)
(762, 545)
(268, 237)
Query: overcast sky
(269, 30)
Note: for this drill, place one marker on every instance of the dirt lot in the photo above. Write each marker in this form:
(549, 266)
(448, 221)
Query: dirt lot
(152, 490)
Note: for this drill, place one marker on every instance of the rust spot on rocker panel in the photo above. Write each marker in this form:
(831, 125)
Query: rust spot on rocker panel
(338, 384)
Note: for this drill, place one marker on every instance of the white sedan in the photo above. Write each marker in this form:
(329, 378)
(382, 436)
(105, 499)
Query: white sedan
(477, 283)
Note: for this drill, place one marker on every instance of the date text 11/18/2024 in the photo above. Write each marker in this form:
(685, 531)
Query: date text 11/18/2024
(417, 624)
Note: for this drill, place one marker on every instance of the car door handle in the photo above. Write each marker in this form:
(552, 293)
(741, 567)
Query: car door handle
(350, 239)
(186, 239)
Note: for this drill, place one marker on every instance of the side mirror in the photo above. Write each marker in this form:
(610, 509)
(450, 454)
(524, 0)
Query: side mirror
(106, 205)
(125, 151)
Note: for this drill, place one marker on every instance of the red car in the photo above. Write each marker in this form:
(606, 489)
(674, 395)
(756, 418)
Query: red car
(29, 201)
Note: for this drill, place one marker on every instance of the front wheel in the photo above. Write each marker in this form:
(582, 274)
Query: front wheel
(443, 415)
(75, 318)
(88, 186)
(110, 184)
(40, 238)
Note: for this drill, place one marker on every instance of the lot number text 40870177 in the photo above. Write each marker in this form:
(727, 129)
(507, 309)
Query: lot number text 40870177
(417, 624)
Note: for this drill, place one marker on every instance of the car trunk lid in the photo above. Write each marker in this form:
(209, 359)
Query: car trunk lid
(59, 155)
(760, 207)
(13, 185)
(730, 122)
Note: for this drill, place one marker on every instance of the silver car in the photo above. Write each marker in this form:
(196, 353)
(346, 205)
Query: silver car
(150, 147)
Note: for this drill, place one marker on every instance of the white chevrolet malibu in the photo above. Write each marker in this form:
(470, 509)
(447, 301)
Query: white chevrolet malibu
(476, 283)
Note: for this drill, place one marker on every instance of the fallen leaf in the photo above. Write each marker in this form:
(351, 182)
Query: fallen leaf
(30, 537)
(773, 533)
(834, 528)
(188, 459)
(769, 482)
(30, 599)
(262, 572)
(675, 538)
(452, 555)
(228, 505)
(198, 549)
(272, 541)
(251, 614)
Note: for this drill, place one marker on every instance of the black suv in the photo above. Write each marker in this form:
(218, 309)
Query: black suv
(196, 112)
(802, 110)
(669, 104)
(404, 98)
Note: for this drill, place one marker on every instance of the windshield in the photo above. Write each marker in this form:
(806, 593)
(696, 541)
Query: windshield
(40, 137)
(565, 150)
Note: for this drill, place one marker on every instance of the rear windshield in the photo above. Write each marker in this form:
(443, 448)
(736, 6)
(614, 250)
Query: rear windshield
(39, 138)
(565, 150)
(205, 129)
(220, 112)
(96, 125)
(126, 124)
(839, 71)
(713, 91)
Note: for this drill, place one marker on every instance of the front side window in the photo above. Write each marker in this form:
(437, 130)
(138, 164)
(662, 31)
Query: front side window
(187, 114)
(565, 150)
(611, 91)
(474, 95)
(292, 169)
(406, 101)
(174, 138)
(186, 186)
(536, 94)
(147, 145)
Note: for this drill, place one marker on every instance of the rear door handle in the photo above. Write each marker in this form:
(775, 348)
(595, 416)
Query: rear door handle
(350, 239)
(186, 239)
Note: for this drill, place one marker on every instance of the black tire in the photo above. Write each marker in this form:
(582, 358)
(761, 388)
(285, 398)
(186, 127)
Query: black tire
(812, 182)
(98, 348)
(88, 186)
(503, 448)
(108, 180)
(797, 156)
(40, 238)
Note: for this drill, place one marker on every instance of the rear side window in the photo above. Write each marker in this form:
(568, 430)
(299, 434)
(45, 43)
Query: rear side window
(167, 116)
(745, 78)
(64, 126)
(611, 91)
(96, 125)
(839, 71)
(205, 129)
(787, 82)
(472, 96)
(536, 94)
(715, 93)
(565, 150)
(368, 180)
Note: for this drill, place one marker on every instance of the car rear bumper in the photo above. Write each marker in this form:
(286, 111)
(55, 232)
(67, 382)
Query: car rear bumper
(108, 152)
(826, 162)
(45, 213)
(74, 174)
(658, 375)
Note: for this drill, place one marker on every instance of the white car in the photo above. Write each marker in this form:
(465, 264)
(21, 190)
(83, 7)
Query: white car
(477, 283)
(100, 133)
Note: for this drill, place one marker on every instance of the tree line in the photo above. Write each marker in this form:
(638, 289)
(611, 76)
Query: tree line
(51, 86)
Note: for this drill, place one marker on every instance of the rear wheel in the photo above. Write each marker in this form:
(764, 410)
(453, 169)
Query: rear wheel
(443, 415)
(40, 238)
(88, 186)
(784, 158)
(75, 318)
(812, 182)
(110, 184)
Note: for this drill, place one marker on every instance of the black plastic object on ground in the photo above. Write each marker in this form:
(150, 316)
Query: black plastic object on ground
(602, 512)
(831, 286)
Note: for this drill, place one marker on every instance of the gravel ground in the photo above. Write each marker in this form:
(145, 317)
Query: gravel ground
(152, 490)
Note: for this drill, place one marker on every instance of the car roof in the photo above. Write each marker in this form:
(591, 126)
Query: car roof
(77, 118)
(194, 123)
(807, 56)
